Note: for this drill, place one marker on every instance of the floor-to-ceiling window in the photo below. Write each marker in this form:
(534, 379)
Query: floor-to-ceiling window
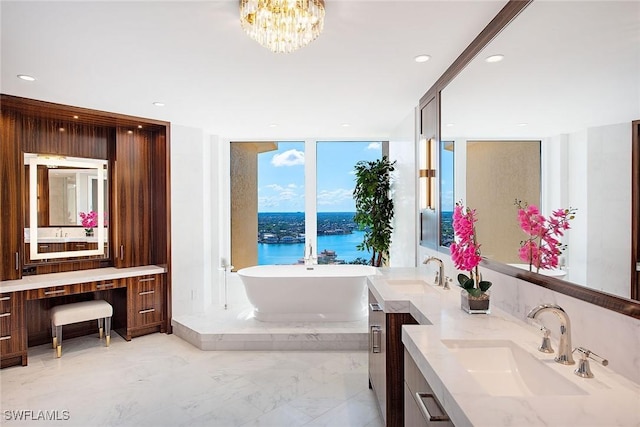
(294, 200)
(337, 234)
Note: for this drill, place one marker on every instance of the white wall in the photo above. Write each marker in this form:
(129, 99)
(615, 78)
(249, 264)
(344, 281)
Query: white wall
(402, 150)
(193, 224)
(590, 170)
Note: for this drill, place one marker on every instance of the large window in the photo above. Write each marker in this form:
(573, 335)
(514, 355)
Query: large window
(337, 234)
(291, 199)
(281, 219)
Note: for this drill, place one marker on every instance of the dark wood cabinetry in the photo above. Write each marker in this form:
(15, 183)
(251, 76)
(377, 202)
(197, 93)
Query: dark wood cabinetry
(145, 302)
(132, 198)
(138, 214)
(10, 191)
(386, 361)
(421, 407)
(13, 337)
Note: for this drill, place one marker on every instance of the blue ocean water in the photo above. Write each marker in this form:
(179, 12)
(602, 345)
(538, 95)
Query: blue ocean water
(344, 245)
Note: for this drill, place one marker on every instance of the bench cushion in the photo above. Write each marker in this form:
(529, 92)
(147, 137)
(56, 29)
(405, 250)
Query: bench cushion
(80, 311)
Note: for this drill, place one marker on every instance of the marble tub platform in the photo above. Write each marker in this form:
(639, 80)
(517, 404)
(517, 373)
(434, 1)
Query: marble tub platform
(237, 329)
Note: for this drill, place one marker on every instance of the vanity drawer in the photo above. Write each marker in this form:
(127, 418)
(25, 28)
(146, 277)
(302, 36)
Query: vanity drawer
(103, 285)
(12, 324)
(54, 291)
(421, 407)
(146, 296)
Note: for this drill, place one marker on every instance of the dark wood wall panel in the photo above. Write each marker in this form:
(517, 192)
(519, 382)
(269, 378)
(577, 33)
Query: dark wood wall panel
(133, 208)
(48, 136)
(10, 190)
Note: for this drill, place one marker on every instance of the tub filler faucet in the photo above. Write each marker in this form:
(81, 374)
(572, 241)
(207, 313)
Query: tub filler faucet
(309, 260)
(564, 347)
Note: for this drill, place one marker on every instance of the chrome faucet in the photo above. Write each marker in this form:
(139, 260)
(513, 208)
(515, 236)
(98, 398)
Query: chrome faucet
(440, 279)
(564, 347)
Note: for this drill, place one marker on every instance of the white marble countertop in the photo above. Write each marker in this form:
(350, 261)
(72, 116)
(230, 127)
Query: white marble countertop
(608, 399)
(38, 281)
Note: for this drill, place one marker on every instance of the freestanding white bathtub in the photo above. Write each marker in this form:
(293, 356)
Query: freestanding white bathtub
(301, 293)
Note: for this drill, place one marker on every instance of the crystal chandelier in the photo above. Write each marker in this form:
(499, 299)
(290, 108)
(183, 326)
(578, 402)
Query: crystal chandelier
(282, 25)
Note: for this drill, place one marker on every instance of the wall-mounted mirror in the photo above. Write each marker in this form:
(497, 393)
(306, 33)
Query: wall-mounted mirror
(67, 208)
(567, 76)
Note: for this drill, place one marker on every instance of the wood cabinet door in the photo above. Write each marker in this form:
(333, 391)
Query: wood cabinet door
(132, 216)
(146, 298)
(10, 198)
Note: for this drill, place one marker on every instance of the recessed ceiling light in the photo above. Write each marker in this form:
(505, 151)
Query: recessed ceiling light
(273, 125)
(422, 58)
(139, 126)
(522, 124)
(494, 58)
(26, 77)
(345, 125)
(158, 104)
(61, 129)
(75, 117)
(450, 125)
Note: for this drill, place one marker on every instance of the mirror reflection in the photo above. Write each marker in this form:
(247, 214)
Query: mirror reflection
(66, 209)
(574, 88)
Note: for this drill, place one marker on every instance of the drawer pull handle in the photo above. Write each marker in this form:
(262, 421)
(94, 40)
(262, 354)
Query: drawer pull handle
(376, 334)
(43, 246)
(17, 261)
(5, 298)
(148, 279)
(105, 285)
(147, 292)
(5, 314)
(375, 307)
(59, 291)
(438, 412)
(81, 246)
(8, 337)
(149, 310)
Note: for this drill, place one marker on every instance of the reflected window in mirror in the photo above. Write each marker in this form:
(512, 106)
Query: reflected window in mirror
(447, 192)
(59, 191)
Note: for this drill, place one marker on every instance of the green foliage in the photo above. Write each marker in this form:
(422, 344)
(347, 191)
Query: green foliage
(468, 284)
(374, 206)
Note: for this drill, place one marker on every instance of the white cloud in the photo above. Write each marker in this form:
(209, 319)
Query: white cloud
(274, 187)
(292, 186)
(373, 146)
(334, 197)
(291, 157)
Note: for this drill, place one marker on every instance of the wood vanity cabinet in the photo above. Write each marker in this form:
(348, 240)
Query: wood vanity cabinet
(13, 336)
(11, 166)
(132, 198)
(386, 361)
(421, 407)
(145, 304)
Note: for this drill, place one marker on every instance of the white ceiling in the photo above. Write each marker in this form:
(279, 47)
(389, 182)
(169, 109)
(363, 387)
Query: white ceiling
(194, 57)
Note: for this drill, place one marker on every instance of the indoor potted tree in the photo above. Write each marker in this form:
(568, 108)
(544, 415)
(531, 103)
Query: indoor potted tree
(374, 207)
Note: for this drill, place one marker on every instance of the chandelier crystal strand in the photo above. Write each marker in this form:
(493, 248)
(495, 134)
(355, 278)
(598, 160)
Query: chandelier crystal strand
(282, 25)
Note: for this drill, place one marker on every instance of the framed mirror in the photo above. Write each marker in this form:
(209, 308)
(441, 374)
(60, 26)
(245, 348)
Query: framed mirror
(67, 208)
(567, 78)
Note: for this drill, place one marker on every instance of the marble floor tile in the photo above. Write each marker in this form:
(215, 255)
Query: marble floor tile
(161, 380)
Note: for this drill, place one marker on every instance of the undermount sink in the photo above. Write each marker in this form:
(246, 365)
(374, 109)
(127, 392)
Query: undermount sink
(409, 286)
(503, 368)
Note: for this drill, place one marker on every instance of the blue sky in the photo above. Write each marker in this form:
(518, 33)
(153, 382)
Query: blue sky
(281, 175)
